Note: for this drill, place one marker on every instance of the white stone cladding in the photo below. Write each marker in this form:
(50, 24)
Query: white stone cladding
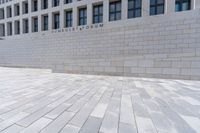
(161, 46)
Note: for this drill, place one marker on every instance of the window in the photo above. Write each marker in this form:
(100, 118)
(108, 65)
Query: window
(56, 3)
(68, 16)
(68, 1)
(1, 13)
(9, 12)
(82, 16)
(35, 25)
(45, 23)
(25, 7)
(157, 7)
(9, 28)
(44, 4)
(35, 5)
(182, 5)
(134, 8)
(56, 21)
(17, 27)
(25, 26)
(16, 8)
(115, 11)
(98, 14)
(2, 30)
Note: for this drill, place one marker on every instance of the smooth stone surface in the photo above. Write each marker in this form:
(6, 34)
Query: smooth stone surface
(36, 100)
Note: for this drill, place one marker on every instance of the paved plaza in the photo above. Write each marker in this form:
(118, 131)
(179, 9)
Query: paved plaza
(35, 100)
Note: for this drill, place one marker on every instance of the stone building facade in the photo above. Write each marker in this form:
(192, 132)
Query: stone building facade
(142, 38)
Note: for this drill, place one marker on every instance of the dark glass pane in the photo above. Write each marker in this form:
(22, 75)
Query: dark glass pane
(81, 21)
(160, 9)
(112, 8)
(138, 3)
(152, 11)
(185, 6)
(118, 7)
(178, 7)
(152, 2)
(85, 13)
(131, 4)
(130, 14)
(85, 21)
(96, 19)
(81, 13)
(160, 1)
(118, 16)
(101, 9)
(138, 13)
(96, 11)
(112, 17)
(100, 19)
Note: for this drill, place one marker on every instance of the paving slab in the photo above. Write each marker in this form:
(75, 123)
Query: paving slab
(37, 100)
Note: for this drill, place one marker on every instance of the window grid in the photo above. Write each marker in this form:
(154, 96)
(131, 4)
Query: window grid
(157, 7)
(115, 13)
(45, 23)
(35, 24)
(68, 19)
(56, 21)
(68, 1)
(134, 10)
(182, 5)
(83, 16)
(98, 14)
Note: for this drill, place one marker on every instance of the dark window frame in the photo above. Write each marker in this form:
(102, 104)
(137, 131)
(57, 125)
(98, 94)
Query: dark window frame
(134, 9)
(35, 24)
(156, 5)
(45, 24)
(180, 2)
(82, 18)
(68, 20)
(26, 26)
(99, 15)
(45, 4)
(35, 5)
(56, 3)
(115, 12)
(68, 1)
(56, 21)
(18, 27)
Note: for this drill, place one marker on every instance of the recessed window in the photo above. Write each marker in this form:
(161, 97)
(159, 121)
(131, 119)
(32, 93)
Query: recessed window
(134, 8)
(56, 21)
(35, 24)
(115, 11)
(157, 7)
(183, 5)
(83, 16)
(9, 28)
(25, 7)
(2, 30)
(56, 3)
(34, 5)
(25, 26)
(16, 9)
(68, 1)
(9, 11)
(69, 16)
(98, 14)
(45, 22)
(1, 13)
(17, 27)
(44, 4)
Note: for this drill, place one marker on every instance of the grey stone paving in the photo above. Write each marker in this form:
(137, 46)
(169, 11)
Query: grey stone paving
(34, 100)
